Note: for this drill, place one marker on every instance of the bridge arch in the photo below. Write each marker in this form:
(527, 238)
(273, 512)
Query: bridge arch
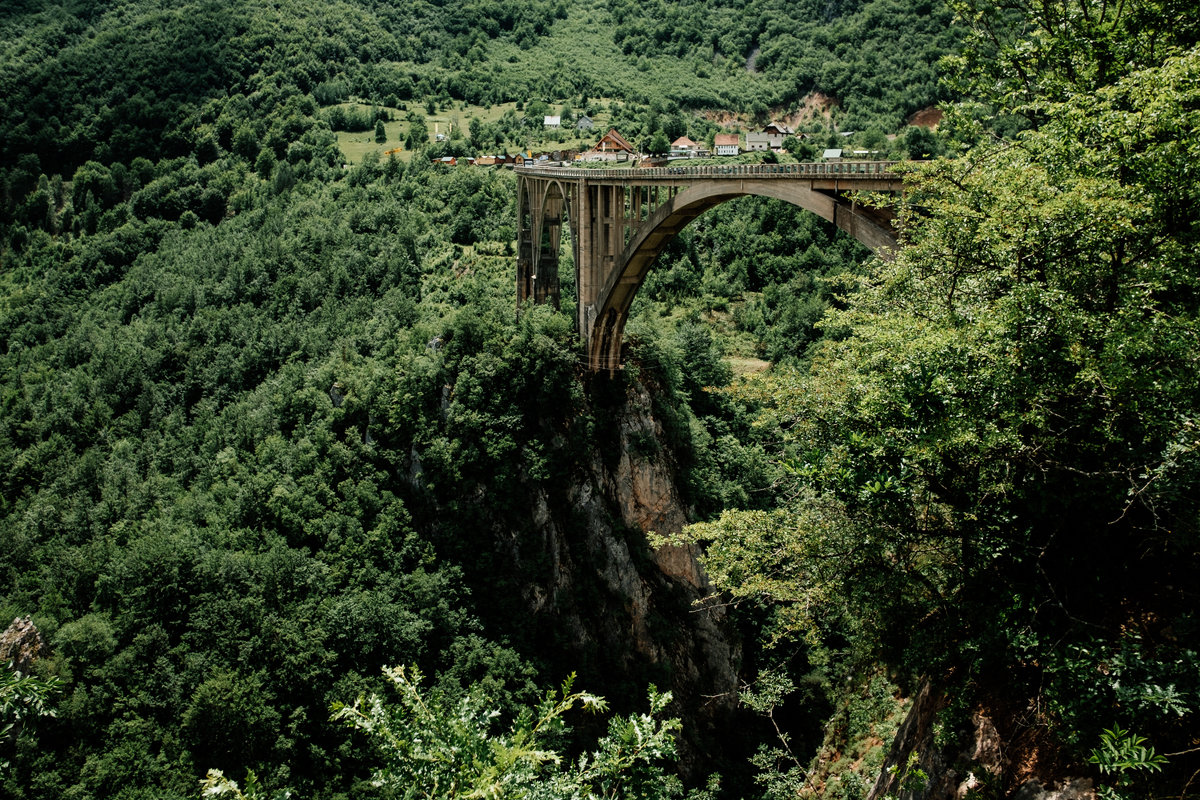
(613, 301)
(542, 208)
(620, 220)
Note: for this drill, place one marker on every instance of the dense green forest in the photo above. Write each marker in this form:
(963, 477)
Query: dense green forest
(118, 81)
(877, 58)
(270, 423)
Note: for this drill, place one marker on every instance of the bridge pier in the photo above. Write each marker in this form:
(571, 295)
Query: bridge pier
(621, 219)
(539, 232)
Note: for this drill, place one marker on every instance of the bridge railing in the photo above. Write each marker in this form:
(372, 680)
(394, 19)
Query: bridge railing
(834, 169)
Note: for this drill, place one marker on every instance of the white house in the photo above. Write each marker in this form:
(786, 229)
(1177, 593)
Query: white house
(727, 144)
(771, 137)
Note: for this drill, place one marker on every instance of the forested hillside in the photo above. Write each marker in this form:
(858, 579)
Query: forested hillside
(992, 470)
(121, 80)
(263, 415)
(115, 81)
(270, 423)
(878, 58)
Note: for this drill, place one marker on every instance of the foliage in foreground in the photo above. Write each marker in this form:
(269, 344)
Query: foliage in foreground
(216, 786)
(995, 475)
(436, 746)
(22, 698)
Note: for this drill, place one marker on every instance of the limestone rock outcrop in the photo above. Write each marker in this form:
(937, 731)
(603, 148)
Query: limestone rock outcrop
(640, 616)
(981, 760)
(22, 644)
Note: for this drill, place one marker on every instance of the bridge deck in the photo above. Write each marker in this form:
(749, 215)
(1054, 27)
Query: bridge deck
(844, 170)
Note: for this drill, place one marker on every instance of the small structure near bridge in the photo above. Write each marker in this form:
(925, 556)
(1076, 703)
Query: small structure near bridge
(770, 138)
(727, 144)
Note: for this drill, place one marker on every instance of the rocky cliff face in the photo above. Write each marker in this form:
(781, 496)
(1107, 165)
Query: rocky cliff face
(629, 611)
(22, 644)
(987, 758)
(703, 656)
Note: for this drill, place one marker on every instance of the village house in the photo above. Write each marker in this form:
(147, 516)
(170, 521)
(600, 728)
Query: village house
(727, 144)
(611, 147)
(552, 122)
(770, 138)
(584, 123)
(683, 147)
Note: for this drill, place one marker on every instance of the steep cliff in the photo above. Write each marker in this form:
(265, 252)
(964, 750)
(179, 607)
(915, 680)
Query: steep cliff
(600, 599)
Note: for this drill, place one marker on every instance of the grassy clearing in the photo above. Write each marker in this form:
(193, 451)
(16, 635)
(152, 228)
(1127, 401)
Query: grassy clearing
(743, 366)
(355, 146)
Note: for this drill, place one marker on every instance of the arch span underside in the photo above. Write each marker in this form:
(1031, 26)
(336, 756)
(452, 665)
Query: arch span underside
(603, 322)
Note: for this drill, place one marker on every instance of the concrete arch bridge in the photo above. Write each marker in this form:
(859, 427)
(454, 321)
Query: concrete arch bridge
(620, 219)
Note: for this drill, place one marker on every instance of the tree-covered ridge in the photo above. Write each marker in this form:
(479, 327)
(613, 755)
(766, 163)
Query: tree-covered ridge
(115, 81)
(261, 422)
(877, 58)
(199, 509)
(129, 79)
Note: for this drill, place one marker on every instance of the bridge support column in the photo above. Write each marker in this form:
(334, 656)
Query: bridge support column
(603, 223)
(540, 210)
(588, 275)
(546, 288)
(525, 251)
